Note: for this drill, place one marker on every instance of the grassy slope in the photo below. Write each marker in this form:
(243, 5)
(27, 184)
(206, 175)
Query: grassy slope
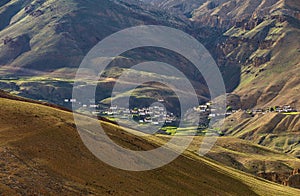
(251, 158)
(276, 131)
(268, 84)
(43, 148)
(275, 82)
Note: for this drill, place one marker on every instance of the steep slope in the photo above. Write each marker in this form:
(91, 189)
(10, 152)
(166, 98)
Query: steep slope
(43, 154)
(37, 31)
(277, 131)
(254, 159)
(262, 37)
(44, 42)
(224, 13)
(258, 40)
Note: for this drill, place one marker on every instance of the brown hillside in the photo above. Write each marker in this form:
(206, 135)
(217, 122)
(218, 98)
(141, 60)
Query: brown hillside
(41, 153)
(276, 131)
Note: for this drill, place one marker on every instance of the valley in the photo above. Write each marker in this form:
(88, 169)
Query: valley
(255, 44)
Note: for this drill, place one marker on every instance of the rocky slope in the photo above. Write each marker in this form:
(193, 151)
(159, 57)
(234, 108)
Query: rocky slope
(257, 36)
(257, 40)
(180, 7)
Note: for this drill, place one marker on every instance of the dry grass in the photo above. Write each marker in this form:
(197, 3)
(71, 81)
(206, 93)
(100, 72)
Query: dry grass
(276, 131)
(50, 155)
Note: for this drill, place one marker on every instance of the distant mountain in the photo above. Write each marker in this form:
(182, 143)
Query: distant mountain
(262, 38)
(224, 12)
(255, 43)
(42, 41)
(34, 33)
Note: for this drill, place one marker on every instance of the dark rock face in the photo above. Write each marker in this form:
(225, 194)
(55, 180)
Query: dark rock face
(257, 61)
(234, 101)
(251, 24)
(211, 5)
(294, 181)
(272, 176)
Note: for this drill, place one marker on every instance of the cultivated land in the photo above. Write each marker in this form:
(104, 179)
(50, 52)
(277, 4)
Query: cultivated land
(41, 152)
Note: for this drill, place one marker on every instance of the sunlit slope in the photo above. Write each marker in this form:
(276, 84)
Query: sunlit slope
(276, 131)
(40, 146)
(251, 158)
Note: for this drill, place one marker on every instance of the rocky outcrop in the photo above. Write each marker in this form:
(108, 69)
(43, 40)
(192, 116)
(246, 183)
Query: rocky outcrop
(252, 23)
(266, 44)
(257, 61)
(272, 176)
(294, 179)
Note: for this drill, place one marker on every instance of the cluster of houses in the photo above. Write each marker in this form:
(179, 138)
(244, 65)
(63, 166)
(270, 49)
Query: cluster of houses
(277, 109)
(207, 110)
(155, 115)
(210, 111)
(91, 103)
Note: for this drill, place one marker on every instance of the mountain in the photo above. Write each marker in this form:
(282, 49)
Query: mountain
(250, 41)
(262, 37)
(41, 153)
(258, 40)
(35, 32)
(43, 42)
(255, 44)
(258, 36)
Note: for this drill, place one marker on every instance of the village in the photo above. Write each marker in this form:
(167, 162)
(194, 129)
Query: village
(157, 115)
